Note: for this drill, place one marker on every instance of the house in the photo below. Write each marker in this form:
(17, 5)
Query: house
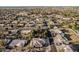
(13, 31)
(18, 43)
(56, 30)
(14, 22)
(1, 25)
(66, 18)
(59, 16)
(24, 32)
(23, 13)
(77, 22)
(39, 42)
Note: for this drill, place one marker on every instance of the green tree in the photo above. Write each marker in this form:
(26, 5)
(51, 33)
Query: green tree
(2, 43)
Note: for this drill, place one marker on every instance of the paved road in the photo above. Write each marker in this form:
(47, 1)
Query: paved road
(51, 47)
